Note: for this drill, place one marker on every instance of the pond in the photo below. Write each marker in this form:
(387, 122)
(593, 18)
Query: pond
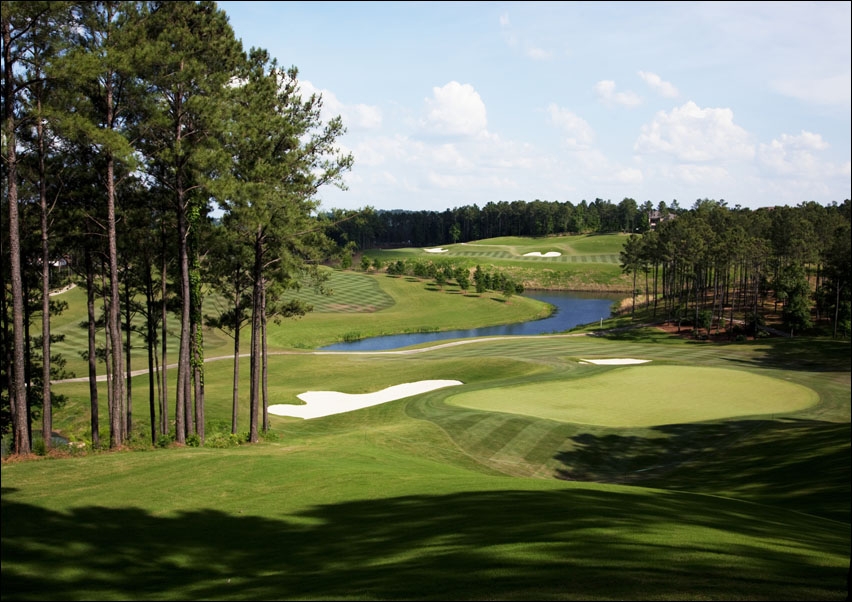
(572, 309)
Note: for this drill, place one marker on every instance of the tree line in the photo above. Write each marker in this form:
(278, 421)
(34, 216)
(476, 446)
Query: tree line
(712, 264)
(370, 228)
(124, 125)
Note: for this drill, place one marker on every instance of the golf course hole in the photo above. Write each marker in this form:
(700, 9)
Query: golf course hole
(642, 396)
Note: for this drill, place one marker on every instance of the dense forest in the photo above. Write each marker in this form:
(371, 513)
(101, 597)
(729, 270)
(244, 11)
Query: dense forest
(124, 125)
(705, 265)
(128, 125)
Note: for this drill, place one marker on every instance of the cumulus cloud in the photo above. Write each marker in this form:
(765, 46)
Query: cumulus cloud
(579, 134)
(456, 109)
(360, 116)
(836, 90)
(656, 83)
(605, 90)
(629, 175)
(789, 155)
(690, 133)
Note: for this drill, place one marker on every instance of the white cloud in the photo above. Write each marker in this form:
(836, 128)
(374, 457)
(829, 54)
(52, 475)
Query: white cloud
(360, 116)
(795, 155)
(456, 109)
(532, 51)
(605, 90)
(579, 134)
(824, 91)
(692, 134)
(539, 54)
(629, 175)
(664, 88)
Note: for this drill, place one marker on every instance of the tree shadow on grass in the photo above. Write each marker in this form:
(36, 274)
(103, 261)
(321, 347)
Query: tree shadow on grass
(576, 543)
(801, 465)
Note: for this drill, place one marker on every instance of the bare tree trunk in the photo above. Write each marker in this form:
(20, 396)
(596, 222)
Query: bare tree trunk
(164, 397)
(183, 353)
(236, 390)
(93, 359)
(128, 332)
(255, 342)
(151, 336)
(198, 379)
(47, 409)
(116, 419)
(264, 355)
(17, 392)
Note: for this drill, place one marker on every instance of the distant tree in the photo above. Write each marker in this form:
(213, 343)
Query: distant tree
(455, 232)
(509, 288)
(631, 261)
(792, 287)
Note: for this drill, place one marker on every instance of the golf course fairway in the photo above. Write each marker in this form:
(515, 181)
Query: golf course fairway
(645, 395)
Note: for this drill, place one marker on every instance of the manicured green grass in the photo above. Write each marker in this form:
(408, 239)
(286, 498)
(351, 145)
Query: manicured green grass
(423, 499)
(586, 262)
(360, 305)
(645, 396)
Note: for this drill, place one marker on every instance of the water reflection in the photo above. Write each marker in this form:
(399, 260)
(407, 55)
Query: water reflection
(572, 309)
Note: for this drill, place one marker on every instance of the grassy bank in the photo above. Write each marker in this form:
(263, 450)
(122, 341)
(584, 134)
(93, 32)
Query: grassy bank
(711, 471)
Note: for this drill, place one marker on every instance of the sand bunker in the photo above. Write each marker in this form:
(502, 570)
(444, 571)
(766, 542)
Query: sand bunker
(539, 254)
(436, 250)
(614, 361)
(326, 403)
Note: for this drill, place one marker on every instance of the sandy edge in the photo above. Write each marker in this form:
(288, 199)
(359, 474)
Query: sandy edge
(614, 362)
(326, 403)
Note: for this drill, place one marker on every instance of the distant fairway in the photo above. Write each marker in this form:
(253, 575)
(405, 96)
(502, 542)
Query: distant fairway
(642, 396)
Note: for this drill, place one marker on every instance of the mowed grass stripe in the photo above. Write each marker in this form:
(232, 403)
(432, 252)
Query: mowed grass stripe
(350, 293)
(522, 452)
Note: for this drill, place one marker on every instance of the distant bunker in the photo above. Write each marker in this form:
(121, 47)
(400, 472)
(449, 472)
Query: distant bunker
(644, 396)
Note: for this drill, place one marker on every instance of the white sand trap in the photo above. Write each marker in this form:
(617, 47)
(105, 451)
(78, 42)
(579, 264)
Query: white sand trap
(614, 361)
(539, 254)
(326, 403)
(436, 250)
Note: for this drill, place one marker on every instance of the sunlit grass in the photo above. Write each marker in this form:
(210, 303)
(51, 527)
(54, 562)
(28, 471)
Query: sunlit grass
(737, 488)
(645, 396)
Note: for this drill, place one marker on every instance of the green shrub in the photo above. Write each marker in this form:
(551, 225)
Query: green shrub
(193, 440)
(222, 440)
(39, 448)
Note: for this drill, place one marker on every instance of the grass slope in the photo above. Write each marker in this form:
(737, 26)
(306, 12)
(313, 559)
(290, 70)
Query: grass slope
(423, 499)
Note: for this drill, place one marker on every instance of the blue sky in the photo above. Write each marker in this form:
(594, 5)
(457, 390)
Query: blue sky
(449, 104)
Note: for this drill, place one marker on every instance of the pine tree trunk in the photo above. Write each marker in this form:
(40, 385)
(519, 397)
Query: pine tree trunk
(47, 410)
(264, 363)
(236, 390)
(17, 392)
(93, 359)
(116, 404)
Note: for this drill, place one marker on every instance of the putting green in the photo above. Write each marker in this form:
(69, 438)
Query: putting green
(639, 396)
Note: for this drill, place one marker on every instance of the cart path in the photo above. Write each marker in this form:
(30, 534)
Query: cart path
(102, 377)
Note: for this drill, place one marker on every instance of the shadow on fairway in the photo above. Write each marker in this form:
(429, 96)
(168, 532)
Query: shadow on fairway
(571, 544)
(801, 465)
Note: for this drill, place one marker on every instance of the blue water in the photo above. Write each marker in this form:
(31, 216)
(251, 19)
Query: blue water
(572, 309)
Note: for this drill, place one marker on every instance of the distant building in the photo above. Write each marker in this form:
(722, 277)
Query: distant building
(656, 217)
